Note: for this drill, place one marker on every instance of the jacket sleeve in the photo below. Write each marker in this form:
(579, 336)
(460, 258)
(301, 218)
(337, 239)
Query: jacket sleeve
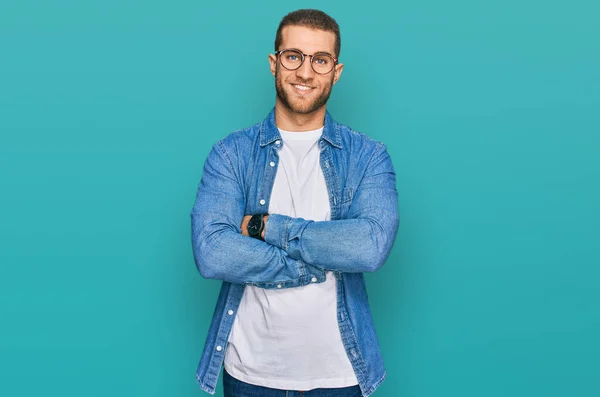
(359, 243)
(220, 250)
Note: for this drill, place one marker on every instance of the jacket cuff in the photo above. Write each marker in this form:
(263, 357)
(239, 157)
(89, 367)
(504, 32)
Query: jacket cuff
(277, 230)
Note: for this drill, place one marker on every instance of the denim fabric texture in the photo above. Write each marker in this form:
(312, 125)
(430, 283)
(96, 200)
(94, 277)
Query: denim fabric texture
(235, 388)
(237, 180)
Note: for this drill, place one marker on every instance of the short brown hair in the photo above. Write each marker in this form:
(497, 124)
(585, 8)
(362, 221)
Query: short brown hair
(314, 19)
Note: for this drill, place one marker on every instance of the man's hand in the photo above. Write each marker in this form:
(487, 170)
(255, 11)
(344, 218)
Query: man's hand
(245, 222)
(245, 225)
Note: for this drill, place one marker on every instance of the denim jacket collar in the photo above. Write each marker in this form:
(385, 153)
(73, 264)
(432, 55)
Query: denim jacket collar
(269, 132)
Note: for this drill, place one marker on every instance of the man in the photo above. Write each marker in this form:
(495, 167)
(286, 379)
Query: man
(289, 214)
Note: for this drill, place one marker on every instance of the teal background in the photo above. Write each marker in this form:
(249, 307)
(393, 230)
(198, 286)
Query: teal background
(491, 113)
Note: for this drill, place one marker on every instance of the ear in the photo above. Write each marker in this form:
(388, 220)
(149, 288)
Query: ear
(339, 68)
(273, 63)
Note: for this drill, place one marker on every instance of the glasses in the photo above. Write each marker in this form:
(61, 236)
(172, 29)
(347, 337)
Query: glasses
(321, 63)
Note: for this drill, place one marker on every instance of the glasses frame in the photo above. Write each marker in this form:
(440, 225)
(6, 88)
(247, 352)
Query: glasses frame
(335, 60)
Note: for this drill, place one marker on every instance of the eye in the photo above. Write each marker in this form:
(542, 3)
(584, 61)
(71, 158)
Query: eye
(293, 57)
(322, 60)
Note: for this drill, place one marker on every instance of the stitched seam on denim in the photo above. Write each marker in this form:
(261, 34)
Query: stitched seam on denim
(376, 385)
(338, 134)
(348, 324)
(362, 359)
(204, 386)
(214, 352)
(347, 197)
(301, 268)
(286, 234)
(375, 152)
(224, 152)
(221, 144)
(207, 389)
(362, 134)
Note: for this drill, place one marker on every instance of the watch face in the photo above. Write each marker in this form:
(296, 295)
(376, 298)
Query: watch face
(254, 225)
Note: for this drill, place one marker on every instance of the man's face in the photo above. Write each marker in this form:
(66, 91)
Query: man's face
(303, 90)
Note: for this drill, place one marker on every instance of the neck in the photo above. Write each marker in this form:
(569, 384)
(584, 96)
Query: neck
(290, 121)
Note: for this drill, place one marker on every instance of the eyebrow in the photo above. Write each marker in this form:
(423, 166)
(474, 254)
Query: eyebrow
(318, 52)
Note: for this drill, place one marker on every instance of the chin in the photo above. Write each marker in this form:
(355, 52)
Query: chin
(302, 107)
(296, 108)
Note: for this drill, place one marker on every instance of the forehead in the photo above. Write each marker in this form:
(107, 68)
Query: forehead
(307, 40)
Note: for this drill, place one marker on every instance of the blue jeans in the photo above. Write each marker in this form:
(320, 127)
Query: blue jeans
(236, 388)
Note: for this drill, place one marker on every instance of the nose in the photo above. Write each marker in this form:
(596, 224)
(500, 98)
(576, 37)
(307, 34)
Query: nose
(305, 71)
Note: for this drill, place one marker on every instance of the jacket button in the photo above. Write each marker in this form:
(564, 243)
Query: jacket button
(219, 348)
(262, 202)
(278, 285)
(278, 142)
(272, 164)
(314, 279)
(230, 312)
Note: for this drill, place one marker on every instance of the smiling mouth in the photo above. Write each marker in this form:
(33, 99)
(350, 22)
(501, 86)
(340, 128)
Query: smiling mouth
(302, 88)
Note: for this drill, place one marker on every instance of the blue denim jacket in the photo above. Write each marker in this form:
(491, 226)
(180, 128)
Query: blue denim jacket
(237, 180)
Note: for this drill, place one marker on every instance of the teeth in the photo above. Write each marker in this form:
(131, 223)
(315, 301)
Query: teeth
(302, 87)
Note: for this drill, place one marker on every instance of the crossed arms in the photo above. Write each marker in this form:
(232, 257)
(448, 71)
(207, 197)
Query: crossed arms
(359, 243)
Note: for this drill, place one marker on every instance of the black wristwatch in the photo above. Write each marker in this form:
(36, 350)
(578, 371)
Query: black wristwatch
(256, 225)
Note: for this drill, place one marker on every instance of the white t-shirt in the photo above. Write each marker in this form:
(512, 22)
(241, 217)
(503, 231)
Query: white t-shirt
(289, 338)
